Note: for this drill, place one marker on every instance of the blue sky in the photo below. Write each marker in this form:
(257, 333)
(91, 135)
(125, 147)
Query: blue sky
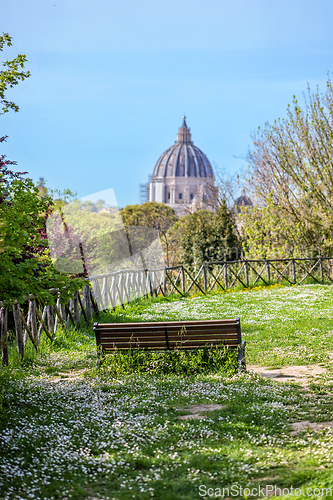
(111, 80)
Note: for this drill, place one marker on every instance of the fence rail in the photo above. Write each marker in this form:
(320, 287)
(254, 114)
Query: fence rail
(123, 286)
(118, 288)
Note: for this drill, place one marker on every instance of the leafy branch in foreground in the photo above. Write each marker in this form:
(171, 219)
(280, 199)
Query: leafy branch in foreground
(12, 75)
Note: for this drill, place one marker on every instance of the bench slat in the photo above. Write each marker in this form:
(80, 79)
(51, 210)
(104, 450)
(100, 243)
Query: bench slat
(141, 338)
(171, 331)
(170, 323)
(161, 345)
(174, 334)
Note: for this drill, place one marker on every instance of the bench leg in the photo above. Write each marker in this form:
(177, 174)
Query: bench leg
(241, 357)
(100, 358)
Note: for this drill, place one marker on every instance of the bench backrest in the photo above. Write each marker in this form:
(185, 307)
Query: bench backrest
(168, 335)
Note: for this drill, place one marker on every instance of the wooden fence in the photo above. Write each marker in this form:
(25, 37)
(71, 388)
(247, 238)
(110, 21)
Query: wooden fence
(41, 318)
(246, 273)
(123, 286)
(118, 288)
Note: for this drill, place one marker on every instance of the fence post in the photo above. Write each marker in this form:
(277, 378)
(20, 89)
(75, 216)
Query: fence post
(33, 322)
(42, 324)
(247, 274)
(205, 276)
(113, 292)
(321, 270)
(268, 272)
(89, 304)
(18, 329)
(293, 270)
(127, 287)
(145, 283)
(25, 336)
(225, 275)
(4, 335)
(58, 316)
(70, 307)
(183, 278)
(151, 286)
(56, 321)
(87, 301)
(50, 320)
(76, 308)
(104, 293)
(95, 290)
(27, 329)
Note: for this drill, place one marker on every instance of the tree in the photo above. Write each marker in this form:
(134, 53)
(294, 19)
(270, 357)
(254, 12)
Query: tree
(220, 189)
(208, 236)
(151, 214)
(12, 75)
(291, 175)
(25, 265)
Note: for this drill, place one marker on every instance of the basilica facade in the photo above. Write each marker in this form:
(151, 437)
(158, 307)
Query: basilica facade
(183, 176)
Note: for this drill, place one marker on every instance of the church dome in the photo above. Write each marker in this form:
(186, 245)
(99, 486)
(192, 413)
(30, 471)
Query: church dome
(242, 201)
(183, 159)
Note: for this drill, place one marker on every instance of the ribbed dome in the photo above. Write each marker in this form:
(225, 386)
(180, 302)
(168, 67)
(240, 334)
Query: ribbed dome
(242, 201)
(183, 159)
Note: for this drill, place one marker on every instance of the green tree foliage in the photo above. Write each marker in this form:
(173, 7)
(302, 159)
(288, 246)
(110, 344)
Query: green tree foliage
(151, 214)
(208, 236)
(25, 266)
(12, 75)
(291, 165)
(156, 215)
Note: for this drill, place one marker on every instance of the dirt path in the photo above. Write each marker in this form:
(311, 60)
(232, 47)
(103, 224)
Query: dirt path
(301, 374)
(72, 375)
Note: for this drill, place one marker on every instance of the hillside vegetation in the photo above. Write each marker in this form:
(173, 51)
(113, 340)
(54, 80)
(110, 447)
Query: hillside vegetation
(71, 432)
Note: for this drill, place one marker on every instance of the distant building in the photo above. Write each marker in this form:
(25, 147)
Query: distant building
(183, 176)
(242, 201)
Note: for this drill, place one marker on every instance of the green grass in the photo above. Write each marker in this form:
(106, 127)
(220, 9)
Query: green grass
(104, 434)
(208, 360)
(281, 325)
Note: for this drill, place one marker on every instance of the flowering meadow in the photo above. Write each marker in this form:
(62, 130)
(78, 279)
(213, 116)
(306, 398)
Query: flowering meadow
(69, 431)
(282, 325)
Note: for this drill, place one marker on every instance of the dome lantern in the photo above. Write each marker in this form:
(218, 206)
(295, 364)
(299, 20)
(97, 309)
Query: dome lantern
(184, 134)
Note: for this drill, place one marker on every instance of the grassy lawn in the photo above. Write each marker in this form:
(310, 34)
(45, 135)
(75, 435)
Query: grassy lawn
(281, 325)
(68, 431)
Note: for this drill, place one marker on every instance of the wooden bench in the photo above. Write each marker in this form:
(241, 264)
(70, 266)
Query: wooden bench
(169, 335)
